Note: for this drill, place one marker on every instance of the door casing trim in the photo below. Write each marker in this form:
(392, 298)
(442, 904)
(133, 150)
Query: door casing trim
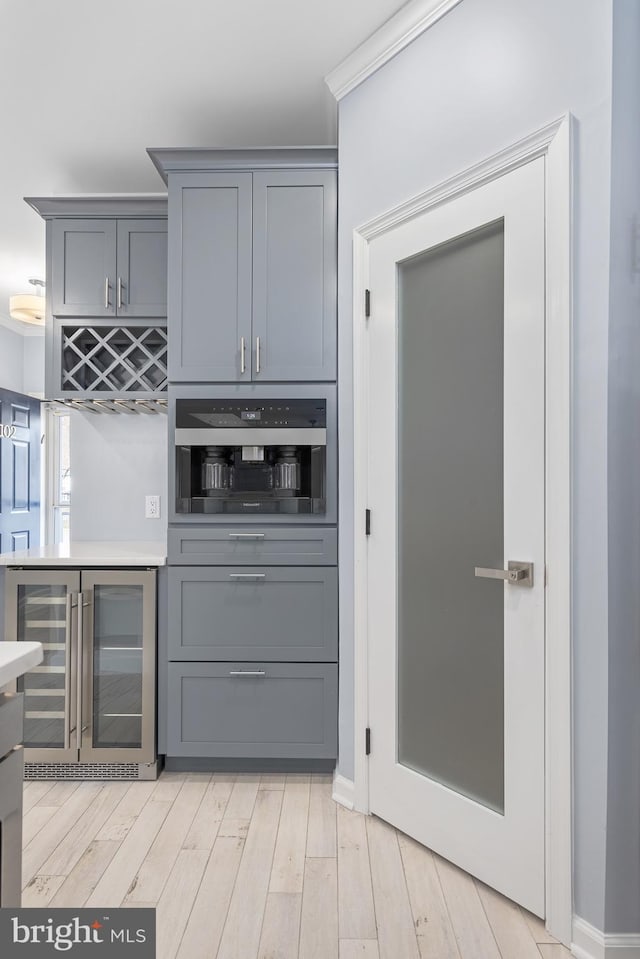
(554, 143)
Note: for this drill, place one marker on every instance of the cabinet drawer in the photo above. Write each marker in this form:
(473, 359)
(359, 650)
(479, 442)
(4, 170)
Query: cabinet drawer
(231, 546)
(287, 710)
(274, 613)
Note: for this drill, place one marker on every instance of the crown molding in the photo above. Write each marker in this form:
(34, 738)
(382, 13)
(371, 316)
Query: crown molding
(392, 37)
(202, 160)
(96, 205)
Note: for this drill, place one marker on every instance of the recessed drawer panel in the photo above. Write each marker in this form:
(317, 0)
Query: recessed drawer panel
(231, 546)
(275, 613)
(253, 710)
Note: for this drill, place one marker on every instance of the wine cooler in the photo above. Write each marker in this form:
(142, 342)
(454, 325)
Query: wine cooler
(90, 705)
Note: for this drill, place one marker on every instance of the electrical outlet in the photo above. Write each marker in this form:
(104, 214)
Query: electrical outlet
(152, 507)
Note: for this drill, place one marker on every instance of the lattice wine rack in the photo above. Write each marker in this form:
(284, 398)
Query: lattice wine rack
(114, 359)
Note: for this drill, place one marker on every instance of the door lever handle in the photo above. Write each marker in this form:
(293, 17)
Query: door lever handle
(516, 573)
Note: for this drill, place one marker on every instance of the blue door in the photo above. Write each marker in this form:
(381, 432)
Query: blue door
(20, 436)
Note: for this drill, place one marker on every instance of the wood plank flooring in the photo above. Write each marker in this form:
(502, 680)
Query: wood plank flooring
(262, 867)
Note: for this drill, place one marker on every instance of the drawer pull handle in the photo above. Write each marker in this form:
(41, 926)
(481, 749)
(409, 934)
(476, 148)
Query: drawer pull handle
(247, 672)
(246, 535)
(247, 575)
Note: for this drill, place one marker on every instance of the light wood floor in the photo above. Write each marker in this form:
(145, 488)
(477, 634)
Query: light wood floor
(262, 867)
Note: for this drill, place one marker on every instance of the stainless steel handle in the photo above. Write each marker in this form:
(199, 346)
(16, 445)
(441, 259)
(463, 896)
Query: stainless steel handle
(516, 573)
(67, 678)
(257, 354)
(247, 575)
(247, 672)
(106, 292)
(79, 676)
(246, 535)
(243, 349)
(119, 292)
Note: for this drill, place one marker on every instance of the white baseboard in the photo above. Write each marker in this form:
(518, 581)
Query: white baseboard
(590, 943)
(343, 790)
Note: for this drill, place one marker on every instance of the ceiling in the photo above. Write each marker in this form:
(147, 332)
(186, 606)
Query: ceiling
(87, 87)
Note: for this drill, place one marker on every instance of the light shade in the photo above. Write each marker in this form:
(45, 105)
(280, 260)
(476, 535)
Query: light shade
(27, 307)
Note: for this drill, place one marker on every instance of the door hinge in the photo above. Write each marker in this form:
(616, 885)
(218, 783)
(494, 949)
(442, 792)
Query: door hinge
(367, 741)
(367, 522)
(367, 303)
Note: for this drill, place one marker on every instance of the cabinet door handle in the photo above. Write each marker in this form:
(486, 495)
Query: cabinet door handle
(257, 354)
(106, 292)
(79, 676)
(243, 346)
(247, 575)
(119, 292)
(247, 672)
(246, 535)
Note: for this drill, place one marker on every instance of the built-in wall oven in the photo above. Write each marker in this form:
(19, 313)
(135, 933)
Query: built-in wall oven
(249, 451)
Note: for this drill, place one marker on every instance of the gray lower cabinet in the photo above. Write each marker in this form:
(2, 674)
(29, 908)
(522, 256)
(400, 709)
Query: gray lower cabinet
(252, 262)
(253, 710)
(271, 613)
(269, 546)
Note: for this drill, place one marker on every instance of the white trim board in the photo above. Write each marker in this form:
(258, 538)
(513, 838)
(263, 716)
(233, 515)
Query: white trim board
(590, 943)
(554, 143)
(393, 36)
(343, 791)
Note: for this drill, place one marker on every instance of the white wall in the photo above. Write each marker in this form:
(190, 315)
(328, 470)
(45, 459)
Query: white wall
(33, 364)
(11, 360)
(115, 461)
(486, 75)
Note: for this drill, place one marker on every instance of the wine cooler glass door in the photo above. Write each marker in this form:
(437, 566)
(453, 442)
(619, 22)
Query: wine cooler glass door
(117, 636)
(42, 607)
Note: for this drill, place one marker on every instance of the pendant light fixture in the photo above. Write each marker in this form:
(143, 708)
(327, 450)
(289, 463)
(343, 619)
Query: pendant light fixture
(29, 307)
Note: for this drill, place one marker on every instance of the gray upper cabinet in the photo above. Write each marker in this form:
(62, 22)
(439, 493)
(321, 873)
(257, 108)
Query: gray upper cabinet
(141, 283)
(252, 264)
(209, 320)
(294, 275)
(106, 255)
(84, 267)
(109, 268)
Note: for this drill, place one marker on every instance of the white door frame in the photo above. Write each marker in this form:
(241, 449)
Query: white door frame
(553, 142)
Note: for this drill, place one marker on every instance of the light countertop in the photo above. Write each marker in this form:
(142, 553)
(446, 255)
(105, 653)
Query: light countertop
(18, 658)
(90, 554)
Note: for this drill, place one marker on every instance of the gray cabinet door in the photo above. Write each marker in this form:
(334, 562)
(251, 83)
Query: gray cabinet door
(210, 277)
(253, 710)
(141, 284)
(83, 271)
(229, 612)
(294, 275)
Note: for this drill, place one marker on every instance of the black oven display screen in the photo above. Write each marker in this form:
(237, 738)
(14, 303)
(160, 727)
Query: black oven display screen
(221, 414)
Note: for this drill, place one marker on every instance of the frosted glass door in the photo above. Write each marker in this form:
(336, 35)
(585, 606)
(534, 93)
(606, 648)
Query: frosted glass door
(450, 514)
(455, 486)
